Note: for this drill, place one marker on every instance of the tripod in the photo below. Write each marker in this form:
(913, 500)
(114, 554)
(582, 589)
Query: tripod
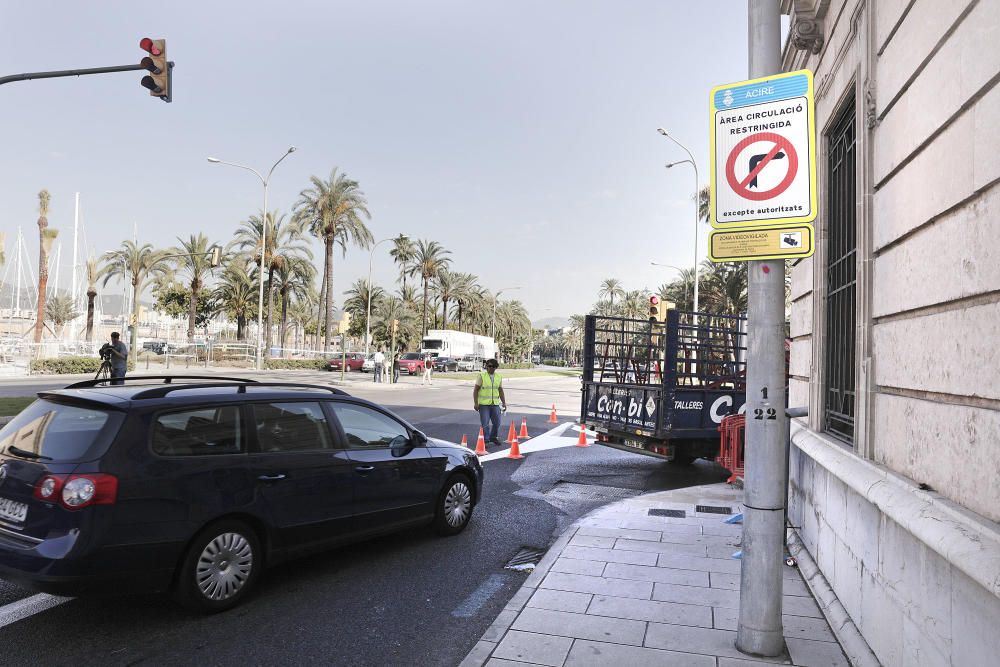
(104, 372)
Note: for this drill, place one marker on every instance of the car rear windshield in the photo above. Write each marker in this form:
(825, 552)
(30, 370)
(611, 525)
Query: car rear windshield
(411, 355)
(59, 431)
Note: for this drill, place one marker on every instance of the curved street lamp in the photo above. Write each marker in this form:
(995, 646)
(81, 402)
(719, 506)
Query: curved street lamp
(690, 161)
(263, 247)
(670, 266)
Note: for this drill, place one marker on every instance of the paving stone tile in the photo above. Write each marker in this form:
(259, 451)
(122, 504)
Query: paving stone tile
(684, 562)
(706, 540)
(519, 598)
(652, 535)
(587, 653)
(806, 653)
(580, 583)
(731, 581)
(478, 655)
(796, 627)
(592, 541)
(709, 597)
(690, 639)
(496, 662)
(745, 662)
(660, 547)
(611, 555)
(600, 628)
(575, 566)
(722, 529)
(721, 551)
(664, 575)
(660, 523)
(547, 598)
(792, 605)
(535, 648)
(682, 529)
(648, 610)
(500, 625)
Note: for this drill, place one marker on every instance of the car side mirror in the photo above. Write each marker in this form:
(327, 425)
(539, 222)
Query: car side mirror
(400, 446)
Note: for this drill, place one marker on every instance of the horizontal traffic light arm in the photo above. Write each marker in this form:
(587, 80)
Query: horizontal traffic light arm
(69, 72)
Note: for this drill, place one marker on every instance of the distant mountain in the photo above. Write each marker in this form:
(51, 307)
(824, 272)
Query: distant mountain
(550, 323)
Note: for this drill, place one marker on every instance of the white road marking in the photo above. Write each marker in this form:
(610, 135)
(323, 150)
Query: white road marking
(16, 611)
(479, 597)
(549, 440)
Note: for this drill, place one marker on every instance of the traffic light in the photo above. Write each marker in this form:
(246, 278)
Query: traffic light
(395, 327)
(159, 78)
(654, 309)
(215, 255)
(345, 322)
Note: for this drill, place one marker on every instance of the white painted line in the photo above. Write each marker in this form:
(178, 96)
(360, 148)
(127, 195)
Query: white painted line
(479, 597)
(549, 440)
(16, 611)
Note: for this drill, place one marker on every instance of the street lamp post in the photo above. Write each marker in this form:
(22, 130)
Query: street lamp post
(670, 266)
(368, 312)
(697, 203)
(263, 247)
(495, 298)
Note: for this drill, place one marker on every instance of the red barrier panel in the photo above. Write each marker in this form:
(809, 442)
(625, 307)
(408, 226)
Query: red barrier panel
(733, 438)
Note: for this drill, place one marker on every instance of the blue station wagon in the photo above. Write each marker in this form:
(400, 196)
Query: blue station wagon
(193, 485)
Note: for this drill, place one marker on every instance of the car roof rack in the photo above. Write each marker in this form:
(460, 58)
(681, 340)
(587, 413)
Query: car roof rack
(163, 390)
(167, 379)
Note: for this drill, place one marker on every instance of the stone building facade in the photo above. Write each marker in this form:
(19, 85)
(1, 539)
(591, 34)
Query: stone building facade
(895, 323)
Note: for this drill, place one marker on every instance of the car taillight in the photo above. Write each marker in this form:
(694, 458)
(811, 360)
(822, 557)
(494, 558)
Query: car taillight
(78, 491)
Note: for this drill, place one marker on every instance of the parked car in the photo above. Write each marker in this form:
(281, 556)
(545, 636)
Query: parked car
(194, 486)
(412, 363)
(470, 362)
(355, 360)
(369, 365)
(445, 364)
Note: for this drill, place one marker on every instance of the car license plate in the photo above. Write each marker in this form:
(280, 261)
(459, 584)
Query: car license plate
(13, 510)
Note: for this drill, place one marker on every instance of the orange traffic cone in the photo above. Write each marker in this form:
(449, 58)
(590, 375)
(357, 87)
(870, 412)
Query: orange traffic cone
(480, 444)
(523, 435)
(582, 440)
(515, 450)
(511, 434)
(552, 417)
(465, 440)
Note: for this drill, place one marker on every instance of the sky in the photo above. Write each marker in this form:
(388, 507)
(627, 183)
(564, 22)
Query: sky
(520, 135)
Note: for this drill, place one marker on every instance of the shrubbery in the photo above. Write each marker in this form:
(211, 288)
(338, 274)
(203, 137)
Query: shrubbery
(520, 364)
(294, 364)
(70, 365)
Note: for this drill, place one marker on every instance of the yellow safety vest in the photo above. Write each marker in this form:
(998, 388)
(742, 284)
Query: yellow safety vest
(489, 388)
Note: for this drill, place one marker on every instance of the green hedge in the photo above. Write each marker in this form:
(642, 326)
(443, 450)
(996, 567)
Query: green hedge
(294, 364)
(69, 365)
(521, 364)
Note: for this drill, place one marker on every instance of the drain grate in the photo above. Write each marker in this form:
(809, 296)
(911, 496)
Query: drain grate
(677, 514)
(713, 509)
(526, 559)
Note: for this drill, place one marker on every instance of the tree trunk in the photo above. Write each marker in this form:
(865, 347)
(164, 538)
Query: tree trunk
(270, 308)
(460, 315)
(134, 337)
(444, 313)
(43, 283)
(328, 269)
(192, 311)
(241, 325)
(425, 308)
(91, 294)
(320, 309)
(283, 329)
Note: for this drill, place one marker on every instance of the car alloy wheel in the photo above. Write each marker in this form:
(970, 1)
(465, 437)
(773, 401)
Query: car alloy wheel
(224, 566)
(457, 504)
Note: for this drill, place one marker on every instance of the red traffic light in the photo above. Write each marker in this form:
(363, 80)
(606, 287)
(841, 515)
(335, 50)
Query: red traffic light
(147, 45)
(654, 300)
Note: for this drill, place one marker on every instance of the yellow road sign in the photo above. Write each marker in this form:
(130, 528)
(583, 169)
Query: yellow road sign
(738, 245)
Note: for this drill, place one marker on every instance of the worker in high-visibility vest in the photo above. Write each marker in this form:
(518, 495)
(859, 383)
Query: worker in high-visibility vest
(488, 398)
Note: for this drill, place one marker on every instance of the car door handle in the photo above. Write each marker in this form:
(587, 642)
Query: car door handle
(271, 478)
(364, 469)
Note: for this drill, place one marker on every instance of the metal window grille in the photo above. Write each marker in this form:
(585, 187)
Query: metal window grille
(841, 277)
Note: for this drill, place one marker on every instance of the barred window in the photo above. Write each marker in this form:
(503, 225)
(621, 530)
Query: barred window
(841, 276)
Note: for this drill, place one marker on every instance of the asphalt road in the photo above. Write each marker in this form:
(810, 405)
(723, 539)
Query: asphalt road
(407, 599)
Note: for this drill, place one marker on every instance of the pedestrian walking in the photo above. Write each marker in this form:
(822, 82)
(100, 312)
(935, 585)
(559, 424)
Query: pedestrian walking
(428, 367)
(488, 398)
(395, 367)
(378, 361)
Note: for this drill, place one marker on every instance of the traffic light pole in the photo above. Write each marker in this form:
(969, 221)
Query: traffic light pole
(28, 76)
(759, 630)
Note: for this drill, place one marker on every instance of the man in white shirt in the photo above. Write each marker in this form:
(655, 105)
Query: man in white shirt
(379, 361)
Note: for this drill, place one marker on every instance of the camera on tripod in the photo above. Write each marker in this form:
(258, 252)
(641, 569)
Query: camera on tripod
(105, 352)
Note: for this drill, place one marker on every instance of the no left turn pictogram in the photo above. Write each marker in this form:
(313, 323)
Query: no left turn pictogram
(781, 144)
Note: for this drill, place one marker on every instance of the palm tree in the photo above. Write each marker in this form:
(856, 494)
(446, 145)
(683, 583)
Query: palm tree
(283, 242)
(138, 265)
(430, 260)
(724, 288)
(408, 295)
(679, 291)
(59, 310)
(513, 329)
(293, 281)
(464, 291)
(403, 254)
(357, 302)
(91, 295)
(3, 246)
(194, 260)
(334, 211)
(610, 288)
(237, 295)
(448, 288)
(634, 305)
(393, 308)
(45, 238)
(704, 203)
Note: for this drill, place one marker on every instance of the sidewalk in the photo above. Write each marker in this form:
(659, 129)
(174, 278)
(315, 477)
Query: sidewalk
(630, 586)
